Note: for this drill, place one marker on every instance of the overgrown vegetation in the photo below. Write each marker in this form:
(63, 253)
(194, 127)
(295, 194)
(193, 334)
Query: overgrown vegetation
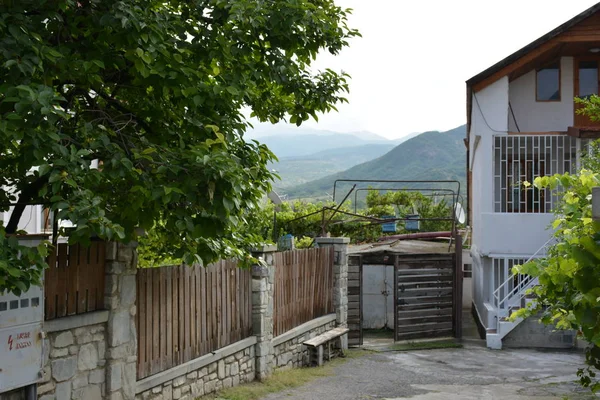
(568, 294)
(304, 221)
(121, 115)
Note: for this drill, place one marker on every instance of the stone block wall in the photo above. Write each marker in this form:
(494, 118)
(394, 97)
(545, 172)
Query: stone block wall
(531, 333)
(74, 364)
(263, 286)
(227, 368)
(292, 353)
(94, 355)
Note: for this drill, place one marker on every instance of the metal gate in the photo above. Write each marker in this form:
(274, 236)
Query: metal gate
(427, 296)
(355, 336)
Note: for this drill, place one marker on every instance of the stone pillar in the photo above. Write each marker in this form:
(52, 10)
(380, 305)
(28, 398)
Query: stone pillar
(119, 299)
(340, 276)
(263, 279)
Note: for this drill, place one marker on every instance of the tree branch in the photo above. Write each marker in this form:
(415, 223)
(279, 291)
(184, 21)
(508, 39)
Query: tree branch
(25, 197)
(118, 106)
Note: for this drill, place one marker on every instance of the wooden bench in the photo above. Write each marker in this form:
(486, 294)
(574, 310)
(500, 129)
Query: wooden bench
(316, 345)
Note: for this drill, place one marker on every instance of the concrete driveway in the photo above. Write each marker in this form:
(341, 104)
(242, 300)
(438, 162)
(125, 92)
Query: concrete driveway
(473, 372)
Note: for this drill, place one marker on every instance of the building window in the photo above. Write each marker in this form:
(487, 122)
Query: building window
(548, 83)
(467, 270)
(520, 159)
(588, 78)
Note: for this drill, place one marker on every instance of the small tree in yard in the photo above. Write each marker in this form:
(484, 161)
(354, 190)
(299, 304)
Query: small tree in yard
(568, 294)
(153, 92)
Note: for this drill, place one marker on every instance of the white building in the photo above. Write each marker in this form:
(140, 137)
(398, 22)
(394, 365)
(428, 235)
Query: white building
(521, 123)
(35, 219)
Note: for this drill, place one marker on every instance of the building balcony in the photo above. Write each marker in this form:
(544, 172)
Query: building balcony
(513, 233)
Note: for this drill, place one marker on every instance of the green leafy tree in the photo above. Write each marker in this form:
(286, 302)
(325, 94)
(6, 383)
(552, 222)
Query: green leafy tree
(568, 294)
(120, 115)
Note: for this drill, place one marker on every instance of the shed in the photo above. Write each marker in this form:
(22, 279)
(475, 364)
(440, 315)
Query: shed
(411, 286)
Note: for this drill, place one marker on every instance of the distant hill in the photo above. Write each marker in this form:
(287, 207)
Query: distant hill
(267, 130)
(290, 141)
(304, 145)
(300, 169)
(428, 156)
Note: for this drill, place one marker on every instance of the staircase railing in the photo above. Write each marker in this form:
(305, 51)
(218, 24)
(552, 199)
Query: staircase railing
(515, 292)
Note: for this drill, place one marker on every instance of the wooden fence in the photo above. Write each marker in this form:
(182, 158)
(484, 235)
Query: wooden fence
(187, 312)
(303, 287)
(74, 281)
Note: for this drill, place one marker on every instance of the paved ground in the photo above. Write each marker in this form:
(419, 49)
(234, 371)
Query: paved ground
(473, 372)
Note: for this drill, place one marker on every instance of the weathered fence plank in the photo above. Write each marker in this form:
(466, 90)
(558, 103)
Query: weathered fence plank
(74, 280)
(303, 287)
(187, 312)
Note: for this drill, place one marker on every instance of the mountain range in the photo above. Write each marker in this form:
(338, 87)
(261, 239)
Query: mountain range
(428, 156)
(286, 141)
(296, 170)
(307, 154)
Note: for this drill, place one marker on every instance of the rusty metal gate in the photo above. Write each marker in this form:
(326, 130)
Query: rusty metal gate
(428, 296)
(355, 336)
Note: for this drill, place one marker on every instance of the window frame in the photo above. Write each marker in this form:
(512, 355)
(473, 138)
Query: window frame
(537, 70)
(504, 153)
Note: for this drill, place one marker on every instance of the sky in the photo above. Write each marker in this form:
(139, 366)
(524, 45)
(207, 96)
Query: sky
(409, 68)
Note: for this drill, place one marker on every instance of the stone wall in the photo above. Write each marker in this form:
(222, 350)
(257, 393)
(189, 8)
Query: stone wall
(74, 363)
(231, 365)
(263, 286)
(531, 333)
(258, 356)
(224, 368)
(288, 349)
(94, 355)
(119, 299)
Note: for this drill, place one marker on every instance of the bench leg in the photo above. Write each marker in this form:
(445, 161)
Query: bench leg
(320, 355)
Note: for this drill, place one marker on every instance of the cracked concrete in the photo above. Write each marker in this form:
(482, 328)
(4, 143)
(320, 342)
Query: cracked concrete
(473, 372)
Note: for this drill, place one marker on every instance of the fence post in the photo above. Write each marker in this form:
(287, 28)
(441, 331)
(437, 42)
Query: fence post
(340, 277)
(263, 280)
(119, 299)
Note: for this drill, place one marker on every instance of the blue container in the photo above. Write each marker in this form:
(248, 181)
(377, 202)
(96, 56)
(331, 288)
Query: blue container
(285, 242)
(412, 223)
(389, 227)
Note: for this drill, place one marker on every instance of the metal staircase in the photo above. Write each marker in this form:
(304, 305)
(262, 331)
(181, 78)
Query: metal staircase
(509, 297)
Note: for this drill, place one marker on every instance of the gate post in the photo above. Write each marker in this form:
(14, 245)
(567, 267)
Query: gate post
(120, 300)
(458, 286)
(263, 280)
(340, 278)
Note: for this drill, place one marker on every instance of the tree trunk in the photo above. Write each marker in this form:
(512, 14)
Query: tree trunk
(26, 197)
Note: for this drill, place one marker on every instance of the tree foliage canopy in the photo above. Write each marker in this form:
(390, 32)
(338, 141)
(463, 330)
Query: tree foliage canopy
(155, 92)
